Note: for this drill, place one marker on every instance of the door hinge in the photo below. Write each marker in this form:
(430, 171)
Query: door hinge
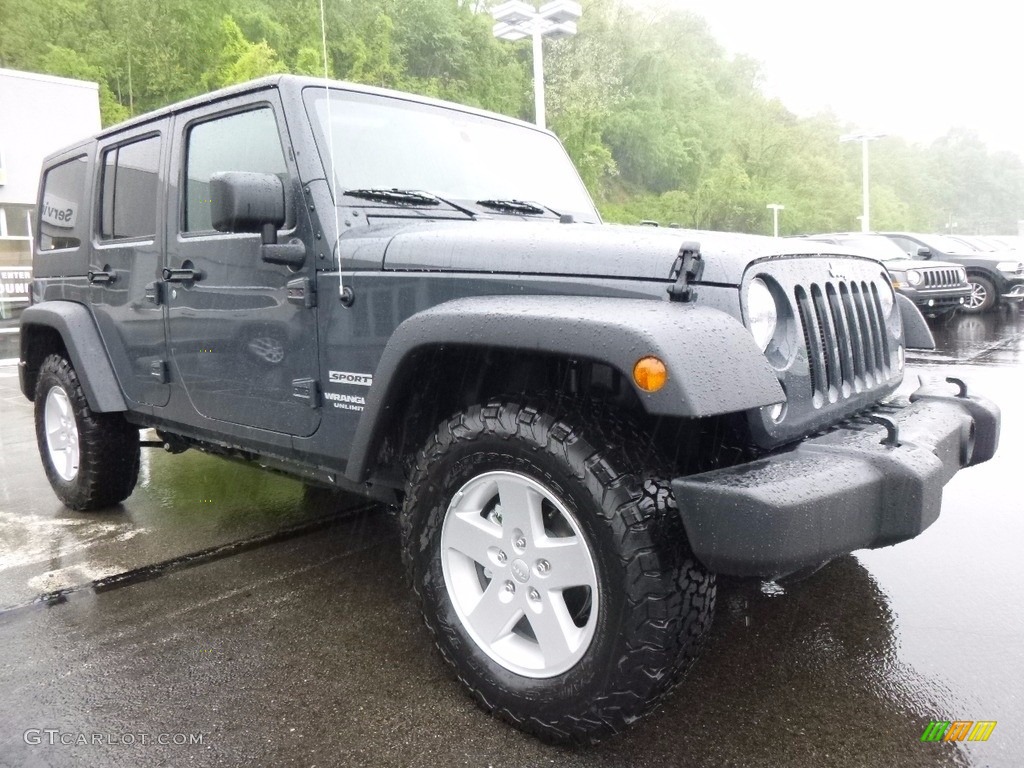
(300, 291)
(154, 293)
(158, 370)
(307, 390)
(687, 268)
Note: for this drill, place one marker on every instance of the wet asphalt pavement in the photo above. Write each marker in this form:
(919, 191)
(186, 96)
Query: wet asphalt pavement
(225, 607)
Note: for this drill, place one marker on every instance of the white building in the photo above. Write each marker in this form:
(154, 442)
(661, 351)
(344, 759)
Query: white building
(39, 114)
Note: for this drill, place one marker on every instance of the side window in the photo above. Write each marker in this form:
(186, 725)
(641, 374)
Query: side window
(129, 190)
(63, 201)
(244, 141)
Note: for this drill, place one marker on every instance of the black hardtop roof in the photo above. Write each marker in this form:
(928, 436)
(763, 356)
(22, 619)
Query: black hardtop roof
(294, 82)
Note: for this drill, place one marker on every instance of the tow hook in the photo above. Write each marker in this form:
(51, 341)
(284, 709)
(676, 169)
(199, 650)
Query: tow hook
(892, 431)
(959, 382)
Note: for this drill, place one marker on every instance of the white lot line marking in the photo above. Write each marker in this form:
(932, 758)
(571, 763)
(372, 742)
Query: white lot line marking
(30, 539)
(71, 576)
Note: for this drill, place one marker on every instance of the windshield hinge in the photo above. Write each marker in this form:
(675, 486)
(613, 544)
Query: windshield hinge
(687, 268)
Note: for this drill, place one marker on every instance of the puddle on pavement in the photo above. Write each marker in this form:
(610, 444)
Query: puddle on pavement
(990, 338)
(183, 503)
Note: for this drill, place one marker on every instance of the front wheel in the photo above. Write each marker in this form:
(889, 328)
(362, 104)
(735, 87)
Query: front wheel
(983, 295)
(552, 568)
(91, 459)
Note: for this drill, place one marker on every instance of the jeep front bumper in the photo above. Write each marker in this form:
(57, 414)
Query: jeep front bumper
(864, 485)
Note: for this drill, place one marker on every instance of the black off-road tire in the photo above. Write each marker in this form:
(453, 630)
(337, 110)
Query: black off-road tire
(977, 282)
(656, 601)
(108, 466)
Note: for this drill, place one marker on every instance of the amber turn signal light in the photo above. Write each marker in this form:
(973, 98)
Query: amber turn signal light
(650, 374)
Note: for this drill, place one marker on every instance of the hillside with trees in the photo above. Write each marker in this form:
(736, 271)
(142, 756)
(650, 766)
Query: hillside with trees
(662, 122)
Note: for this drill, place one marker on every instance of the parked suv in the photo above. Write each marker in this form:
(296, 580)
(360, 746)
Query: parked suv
(416, 301)
(938, 288)
(995, 278)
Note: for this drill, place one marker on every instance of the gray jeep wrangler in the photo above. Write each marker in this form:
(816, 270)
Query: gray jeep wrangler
(412, 300)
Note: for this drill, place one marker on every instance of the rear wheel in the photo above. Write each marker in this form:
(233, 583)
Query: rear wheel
(552, 568)
(983, 295)
(91, 459)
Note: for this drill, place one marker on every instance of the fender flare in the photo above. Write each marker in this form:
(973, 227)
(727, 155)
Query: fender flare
(76, 327)
(916, 333)
(714, 367)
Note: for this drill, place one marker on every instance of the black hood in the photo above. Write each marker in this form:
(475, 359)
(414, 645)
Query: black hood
(591, 250)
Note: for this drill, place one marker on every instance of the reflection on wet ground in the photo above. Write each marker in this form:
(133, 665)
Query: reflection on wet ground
(308, 650)
(183, 504)
(992, 338)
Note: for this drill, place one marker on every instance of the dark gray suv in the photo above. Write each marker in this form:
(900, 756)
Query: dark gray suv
(937, 288)
(417, 302)
(995, 278)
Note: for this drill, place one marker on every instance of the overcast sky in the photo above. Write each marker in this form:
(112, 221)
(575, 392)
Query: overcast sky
(899, 66)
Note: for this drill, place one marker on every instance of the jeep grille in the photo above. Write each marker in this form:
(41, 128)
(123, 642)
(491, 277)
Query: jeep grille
(837, 346)
(847, 346)
(940, 278)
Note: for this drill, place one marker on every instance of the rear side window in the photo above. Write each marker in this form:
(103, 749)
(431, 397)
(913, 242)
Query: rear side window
(244, 141)
(63, 204)
(129, 190)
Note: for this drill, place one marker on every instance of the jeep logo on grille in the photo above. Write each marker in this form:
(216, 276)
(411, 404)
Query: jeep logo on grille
(835, 272)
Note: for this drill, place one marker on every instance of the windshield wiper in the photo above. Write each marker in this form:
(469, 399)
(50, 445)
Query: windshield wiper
(394, 195)
(516, 206)
(407, 197)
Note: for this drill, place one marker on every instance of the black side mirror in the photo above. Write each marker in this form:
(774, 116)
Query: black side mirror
(924, 253)
(241, 201)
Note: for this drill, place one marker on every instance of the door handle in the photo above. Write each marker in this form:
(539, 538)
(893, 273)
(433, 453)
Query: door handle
(102, 278)
(183, 275)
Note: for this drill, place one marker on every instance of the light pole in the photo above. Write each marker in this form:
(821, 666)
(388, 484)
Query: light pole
(516, 20)
(775, 207)
(864, 138)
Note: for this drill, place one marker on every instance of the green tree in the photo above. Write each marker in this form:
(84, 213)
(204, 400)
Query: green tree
(239, 59)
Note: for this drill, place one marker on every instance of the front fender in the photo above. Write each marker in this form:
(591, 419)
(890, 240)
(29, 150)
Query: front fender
(916, 333)
(714, 367)
(76, 327)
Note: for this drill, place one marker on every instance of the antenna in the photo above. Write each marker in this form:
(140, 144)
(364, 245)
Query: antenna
(344, 293)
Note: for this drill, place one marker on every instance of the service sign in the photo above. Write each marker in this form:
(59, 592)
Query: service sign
(59, 212)
(14, 283)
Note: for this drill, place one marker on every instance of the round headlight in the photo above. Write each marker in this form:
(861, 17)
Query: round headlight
(914, 277)
(762, 314)
(961, 275)
(886, 296)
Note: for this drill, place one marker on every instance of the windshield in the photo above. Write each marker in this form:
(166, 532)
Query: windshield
(881, 248)
(383, 143)
(945, 244)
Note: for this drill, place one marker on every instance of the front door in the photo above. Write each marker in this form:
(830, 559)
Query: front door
(243, 351)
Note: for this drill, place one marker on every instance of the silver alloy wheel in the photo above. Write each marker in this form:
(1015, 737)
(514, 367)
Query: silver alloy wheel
(520, 574)
(978, 296)
(61, 433)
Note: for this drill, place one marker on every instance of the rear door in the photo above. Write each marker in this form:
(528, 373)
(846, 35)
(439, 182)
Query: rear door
(125, 260)
(243, 351)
